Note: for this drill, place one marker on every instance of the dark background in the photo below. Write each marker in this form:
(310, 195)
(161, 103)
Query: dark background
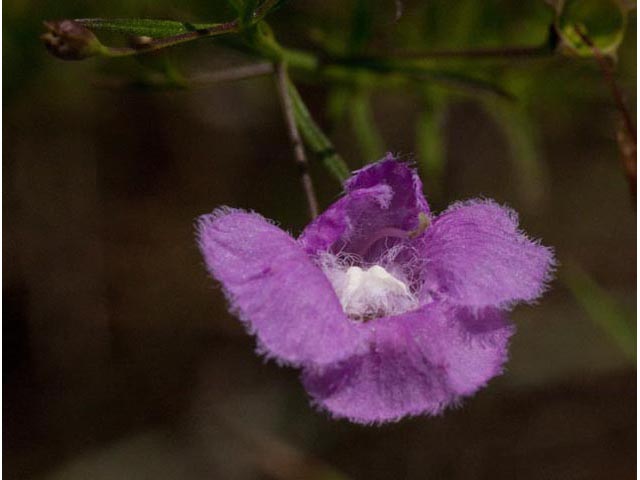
(120, 359)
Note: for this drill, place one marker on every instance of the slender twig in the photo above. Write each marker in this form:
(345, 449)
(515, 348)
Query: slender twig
(526, 51)
(294, 135)
(626, 136)
(479, 53)
(158, 80)
(231, 74)
(610, 79)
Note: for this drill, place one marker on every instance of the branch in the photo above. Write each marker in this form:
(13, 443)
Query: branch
(160, 81)
(480, 53)
(610, 79)
(282, 81)
(231, 74)
(74, 39)
(548, 47)
(626, 136)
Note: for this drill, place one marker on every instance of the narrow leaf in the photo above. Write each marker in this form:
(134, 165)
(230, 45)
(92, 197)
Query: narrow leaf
(143, 27)
(315, 139)
(602, 309)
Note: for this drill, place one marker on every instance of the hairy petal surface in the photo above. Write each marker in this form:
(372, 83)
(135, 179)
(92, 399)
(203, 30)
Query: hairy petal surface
(275, 288)
(477, 257)
(381, 197)
(417, 363)
(333, 230)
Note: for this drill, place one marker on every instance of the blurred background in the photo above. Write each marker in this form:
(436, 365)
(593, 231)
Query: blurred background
(120, 359)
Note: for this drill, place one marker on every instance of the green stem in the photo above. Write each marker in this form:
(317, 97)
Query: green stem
(315, 139)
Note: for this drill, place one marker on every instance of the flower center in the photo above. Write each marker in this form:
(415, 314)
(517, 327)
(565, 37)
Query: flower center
(371, 293)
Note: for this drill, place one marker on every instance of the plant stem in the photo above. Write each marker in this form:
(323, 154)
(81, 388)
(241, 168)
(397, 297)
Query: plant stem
(198, 81)
(610, 79)
(627, 141)
(282, 81)
(231, 74)
(480, 53)
(316, 139)
(525, 52)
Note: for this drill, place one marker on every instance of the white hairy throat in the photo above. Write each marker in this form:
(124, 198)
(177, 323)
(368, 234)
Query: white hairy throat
(372, 292)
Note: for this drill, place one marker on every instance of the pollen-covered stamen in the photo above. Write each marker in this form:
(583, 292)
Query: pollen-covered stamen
(371, 293)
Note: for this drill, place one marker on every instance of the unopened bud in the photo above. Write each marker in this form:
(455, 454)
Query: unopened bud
(69, 40)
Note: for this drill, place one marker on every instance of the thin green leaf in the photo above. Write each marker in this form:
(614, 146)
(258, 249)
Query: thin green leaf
(315, 139)
(143, 27)
(602, 309)
(337, 103)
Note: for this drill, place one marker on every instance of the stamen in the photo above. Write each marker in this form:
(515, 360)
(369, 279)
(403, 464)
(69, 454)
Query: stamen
(392, 232)
(423, 224)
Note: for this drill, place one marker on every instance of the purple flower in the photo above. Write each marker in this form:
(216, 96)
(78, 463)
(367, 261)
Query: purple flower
(388, 310)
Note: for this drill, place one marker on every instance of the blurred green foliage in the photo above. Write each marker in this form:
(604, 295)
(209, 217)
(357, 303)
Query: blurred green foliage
(367, 79)
(509, 57)
(603, 309)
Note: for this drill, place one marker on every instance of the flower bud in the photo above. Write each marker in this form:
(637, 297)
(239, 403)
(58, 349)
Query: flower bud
(69, 40)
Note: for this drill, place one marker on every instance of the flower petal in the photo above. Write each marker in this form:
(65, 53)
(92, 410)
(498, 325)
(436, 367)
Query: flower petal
(382, 196)
(477, 257)
(417, 363)
(275, 288)
(333, 229)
